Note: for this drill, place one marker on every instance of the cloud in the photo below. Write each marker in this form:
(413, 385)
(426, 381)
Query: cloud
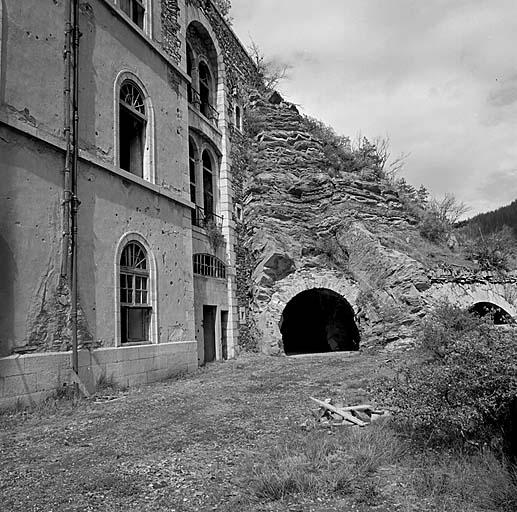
(437, 76)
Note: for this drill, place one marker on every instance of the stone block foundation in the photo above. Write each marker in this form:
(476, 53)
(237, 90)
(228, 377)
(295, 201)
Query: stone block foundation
(30, 378)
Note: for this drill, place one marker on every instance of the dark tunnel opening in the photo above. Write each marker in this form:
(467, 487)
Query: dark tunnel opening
(499, 315)
(318, 320)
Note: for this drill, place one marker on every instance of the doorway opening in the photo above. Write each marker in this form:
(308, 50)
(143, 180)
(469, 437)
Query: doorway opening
(318, 320)
(209, 317)
(224, 334)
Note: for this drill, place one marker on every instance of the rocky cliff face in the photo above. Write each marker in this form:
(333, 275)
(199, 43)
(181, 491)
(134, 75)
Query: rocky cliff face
(311, 225)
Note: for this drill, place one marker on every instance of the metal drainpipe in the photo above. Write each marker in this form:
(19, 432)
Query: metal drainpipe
(67, 193)
(74, 200)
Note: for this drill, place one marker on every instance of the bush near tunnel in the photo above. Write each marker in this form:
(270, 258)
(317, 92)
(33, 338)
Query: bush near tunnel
(464, 386)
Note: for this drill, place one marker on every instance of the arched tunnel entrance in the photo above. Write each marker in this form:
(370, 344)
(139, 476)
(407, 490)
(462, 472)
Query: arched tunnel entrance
(499, 315)
(318, 320)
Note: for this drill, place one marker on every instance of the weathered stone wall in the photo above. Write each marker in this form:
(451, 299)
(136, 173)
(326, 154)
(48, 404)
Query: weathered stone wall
(28, 379)
(171, 41)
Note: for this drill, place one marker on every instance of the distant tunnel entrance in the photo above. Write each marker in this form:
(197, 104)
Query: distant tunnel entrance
(318, 320)
(499, 315)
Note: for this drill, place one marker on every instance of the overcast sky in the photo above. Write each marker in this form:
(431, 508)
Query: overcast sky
(438, 77)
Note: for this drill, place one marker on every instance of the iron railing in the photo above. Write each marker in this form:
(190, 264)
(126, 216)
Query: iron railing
(202, 219)
(203, 106)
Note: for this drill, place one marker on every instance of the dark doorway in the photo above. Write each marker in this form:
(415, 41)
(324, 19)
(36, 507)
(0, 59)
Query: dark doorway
(224, 334)
(499, 315)
(318, 320)
(209, 315)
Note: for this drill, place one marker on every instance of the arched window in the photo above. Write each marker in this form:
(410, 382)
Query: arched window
(135, 304)
(132, 128)
(208, 187)
(205, 91)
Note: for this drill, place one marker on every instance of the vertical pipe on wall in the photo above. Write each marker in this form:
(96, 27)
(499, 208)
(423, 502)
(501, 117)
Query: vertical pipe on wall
(75, 201)
(67, 193)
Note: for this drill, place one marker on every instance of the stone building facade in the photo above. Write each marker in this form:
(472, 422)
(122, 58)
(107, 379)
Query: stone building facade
(159, 88)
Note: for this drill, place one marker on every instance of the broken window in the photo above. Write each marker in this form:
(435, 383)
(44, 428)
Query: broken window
(135, 9)
(134, 294)
(132, 126)
(208, 187)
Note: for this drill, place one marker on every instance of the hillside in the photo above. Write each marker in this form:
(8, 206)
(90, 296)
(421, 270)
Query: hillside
(493, 221)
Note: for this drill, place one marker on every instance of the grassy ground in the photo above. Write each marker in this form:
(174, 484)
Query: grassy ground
(234, 437)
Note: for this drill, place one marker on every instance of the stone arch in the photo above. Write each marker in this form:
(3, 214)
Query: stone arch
(205, 52)
(499, 314)
(318, 320)
(197, 21)
(467, 295)
(271, 309)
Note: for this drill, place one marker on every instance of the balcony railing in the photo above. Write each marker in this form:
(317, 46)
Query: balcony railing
(202, 219)
(203, 106)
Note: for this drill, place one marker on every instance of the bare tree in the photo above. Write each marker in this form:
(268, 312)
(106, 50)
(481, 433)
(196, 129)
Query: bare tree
(271, 71)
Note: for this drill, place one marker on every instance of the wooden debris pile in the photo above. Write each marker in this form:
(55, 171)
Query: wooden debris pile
(336, 414)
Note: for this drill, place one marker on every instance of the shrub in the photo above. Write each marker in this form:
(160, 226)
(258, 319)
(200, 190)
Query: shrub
(465, 383)
(439, 217)
(493, 251)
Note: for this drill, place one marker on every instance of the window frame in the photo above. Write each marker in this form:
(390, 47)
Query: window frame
(149, 307)
(146, 6)
(137, 116)
(135, 293)
(148, 139)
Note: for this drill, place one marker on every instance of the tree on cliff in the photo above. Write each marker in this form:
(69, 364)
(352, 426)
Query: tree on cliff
(271, 71)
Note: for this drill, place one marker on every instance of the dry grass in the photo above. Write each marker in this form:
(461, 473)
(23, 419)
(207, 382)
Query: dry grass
(229, 438)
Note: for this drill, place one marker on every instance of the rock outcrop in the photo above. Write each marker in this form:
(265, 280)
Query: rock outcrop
(308, 225)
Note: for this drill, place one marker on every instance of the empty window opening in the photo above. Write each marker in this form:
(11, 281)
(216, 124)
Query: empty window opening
(208, 187)
(132, 124)
(135, 9)
(318, 320)
(190, 64)
(209, 266)
(498, 314)
(238, 118)
(134, 294)
(192, 178)
(205, 91)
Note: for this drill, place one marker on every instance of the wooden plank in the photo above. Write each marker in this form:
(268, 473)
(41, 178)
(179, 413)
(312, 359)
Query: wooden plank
(362, 407)
(346, 415)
